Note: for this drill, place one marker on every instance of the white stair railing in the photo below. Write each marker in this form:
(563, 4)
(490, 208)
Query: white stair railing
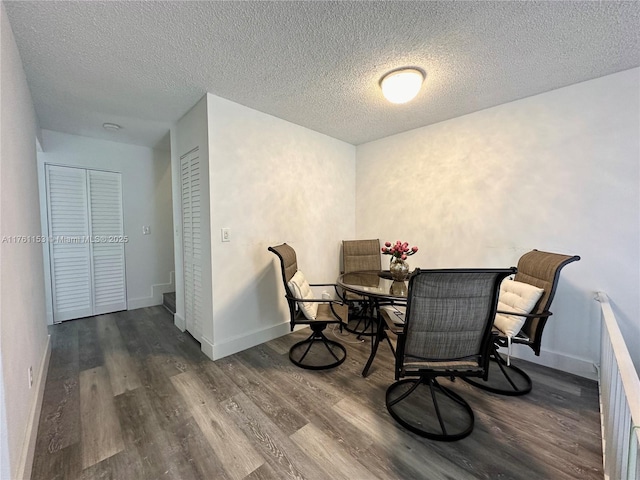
(619, 401)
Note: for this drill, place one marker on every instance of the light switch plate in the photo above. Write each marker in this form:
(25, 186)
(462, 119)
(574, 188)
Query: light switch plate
(146, 230)
(225, 234)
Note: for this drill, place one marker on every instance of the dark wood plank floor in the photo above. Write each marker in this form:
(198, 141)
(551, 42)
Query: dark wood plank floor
(128, 396)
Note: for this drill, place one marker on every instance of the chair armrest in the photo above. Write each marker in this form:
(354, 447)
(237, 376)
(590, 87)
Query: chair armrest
(393, 327)
(501, 339)
(314, 300)
(335, 287)
(546, 314)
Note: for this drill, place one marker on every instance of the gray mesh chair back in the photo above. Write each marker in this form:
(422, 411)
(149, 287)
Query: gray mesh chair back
(541, 269)
(449, 316)
(447, 333)
(289, 267)
(289, 261)
(361, 255)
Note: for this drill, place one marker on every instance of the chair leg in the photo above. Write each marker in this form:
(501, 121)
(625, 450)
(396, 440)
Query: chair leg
(308, 348)
(443, 427)
(325, 341)
(356, 328)
(374, 348)
(503, 379)
(364, 315)
(317, 337)
(455, 420)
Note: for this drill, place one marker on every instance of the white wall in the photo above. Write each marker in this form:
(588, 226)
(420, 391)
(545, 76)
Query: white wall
(558, 171)
(271, 182)
(191, 132)
(23, 332)
(146, 190)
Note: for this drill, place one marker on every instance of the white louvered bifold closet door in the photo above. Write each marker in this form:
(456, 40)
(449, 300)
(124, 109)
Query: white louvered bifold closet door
(190, 178)
(86, 242)
(107, 233)
(69, 250)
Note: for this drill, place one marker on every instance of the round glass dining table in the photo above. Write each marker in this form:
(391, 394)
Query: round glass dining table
(381, 289)
(375, 285)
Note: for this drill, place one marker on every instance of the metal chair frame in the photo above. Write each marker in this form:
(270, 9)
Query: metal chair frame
(531, 333)
(405, 365)
(317, 336)
(365, 312)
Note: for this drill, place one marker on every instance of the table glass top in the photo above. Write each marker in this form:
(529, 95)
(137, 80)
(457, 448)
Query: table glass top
(373, 284)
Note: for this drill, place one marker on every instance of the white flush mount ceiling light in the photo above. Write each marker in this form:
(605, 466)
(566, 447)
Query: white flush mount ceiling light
(112, 127)
(401, 86)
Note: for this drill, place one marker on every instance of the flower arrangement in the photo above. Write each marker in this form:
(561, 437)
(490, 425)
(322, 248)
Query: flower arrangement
(399, 250)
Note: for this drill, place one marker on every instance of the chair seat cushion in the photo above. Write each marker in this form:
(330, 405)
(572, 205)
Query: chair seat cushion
(449, 365)
(393, 316)
(516, 297)
(395, 313)
(325, 314)
(301, 289)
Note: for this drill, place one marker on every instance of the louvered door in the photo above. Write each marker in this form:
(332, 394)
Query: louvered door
(190, 178)
(86, 242)
(107, 245)
(69, 250)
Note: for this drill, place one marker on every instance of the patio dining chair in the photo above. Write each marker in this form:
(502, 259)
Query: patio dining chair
(447, 333)
(538, 274)
(358, 256)
(316, 352)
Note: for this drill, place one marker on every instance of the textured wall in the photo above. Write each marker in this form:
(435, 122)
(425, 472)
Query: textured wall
(272, 182)
(192, 131)
(558, 171)
(23, 333)
(146, 191)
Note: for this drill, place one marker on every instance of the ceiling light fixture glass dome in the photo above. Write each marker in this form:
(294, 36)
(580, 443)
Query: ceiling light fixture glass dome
(401, 86)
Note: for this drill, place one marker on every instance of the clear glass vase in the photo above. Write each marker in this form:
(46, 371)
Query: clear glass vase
(398, 289)
(399, 269)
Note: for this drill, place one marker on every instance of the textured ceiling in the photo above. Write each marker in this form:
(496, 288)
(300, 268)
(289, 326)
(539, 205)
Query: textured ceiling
(144, 64)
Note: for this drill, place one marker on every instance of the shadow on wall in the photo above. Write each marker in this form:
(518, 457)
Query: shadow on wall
(256, 305)
(571, 302)
(270, 292)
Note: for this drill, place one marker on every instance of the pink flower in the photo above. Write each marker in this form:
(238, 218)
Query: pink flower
(399, 249)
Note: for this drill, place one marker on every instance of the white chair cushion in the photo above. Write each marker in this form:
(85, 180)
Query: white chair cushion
(516, 297)
(301, 289)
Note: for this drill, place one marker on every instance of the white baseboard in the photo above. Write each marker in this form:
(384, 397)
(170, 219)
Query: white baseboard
(559, 361)
(242, 342)
(206, 347)
(136, 303)
(28, 448)
(179, 322)
(156, 295)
